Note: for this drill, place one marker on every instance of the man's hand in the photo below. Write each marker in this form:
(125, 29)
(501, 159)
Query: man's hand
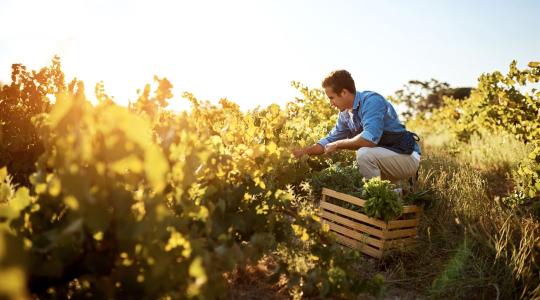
(330, 148)
(311, 150)
(298, 153)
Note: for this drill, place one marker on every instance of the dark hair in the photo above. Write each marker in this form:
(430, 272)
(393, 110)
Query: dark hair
(339, 80)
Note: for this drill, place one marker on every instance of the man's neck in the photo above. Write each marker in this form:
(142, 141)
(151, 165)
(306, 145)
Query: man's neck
(350, 99)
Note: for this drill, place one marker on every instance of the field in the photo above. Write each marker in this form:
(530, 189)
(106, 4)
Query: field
(108, 202)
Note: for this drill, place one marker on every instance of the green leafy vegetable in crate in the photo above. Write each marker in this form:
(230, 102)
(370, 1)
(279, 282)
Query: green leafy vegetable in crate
(381, 200)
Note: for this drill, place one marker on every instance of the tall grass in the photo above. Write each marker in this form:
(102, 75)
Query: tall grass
(494, 151)
(471, 246)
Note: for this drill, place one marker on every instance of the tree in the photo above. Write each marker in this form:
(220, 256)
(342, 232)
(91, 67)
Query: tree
(421, 97)
(26, 97)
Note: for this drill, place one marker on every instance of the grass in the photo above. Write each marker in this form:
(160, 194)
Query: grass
(445, 262)
(470, 246)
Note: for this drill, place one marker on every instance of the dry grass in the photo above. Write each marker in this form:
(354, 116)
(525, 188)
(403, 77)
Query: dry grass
(251, 283)
(470, 246)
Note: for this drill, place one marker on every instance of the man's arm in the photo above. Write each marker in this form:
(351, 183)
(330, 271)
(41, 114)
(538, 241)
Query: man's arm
(340, 131)
(354, 143)
(351, 144)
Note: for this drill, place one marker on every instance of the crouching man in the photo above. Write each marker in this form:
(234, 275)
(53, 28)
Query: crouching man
(369, 124)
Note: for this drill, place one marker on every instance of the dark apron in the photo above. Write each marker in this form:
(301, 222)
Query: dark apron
(401, 142)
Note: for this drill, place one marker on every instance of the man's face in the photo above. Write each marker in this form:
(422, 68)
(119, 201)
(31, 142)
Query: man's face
(337, 100)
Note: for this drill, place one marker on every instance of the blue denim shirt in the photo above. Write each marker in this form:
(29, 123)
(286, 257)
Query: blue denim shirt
(371, 115)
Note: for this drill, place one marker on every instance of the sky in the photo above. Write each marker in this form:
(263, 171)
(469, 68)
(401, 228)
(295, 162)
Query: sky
(250, 51)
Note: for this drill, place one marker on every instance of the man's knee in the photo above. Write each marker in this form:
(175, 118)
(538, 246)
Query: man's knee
(367, 162)
(365, 154)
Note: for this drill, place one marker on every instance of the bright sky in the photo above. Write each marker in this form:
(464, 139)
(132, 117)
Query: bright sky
(250, 51)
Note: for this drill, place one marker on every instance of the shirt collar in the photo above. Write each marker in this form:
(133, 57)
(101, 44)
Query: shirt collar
(356, 103)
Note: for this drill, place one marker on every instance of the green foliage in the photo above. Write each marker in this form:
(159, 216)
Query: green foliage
(500, 103)
(529, 173)
(421, 198)
(381, 200)
(141, 203)
(150, 105)
(7, 189)
(342, 178)
(507, 103)
(12, 264)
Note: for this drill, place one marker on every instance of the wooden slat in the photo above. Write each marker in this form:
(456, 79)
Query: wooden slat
(400, 233)
(355, 235)
(353, 214)
(360, 246)
(344, 197)
(350, 223)
(410, 209)
(402, 223)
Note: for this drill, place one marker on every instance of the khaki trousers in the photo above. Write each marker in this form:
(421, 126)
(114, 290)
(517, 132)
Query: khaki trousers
(387, 164)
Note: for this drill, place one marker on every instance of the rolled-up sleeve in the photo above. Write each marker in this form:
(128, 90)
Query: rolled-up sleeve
(339, 132)
(373, 118)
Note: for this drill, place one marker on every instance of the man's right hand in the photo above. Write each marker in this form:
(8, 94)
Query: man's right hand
(298, 153)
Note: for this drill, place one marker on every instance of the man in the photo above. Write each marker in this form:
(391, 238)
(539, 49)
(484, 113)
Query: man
(367, 123)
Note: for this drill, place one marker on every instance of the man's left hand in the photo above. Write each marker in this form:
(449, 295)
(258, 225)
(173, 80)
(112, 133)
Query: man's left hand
(330, 148)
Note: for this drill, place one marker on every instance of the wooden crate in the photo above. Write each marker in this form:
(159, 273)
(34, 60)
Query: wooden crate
(371, 236)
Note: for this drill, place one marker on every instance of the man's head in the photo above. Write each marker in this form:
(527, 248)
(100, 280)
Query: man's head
(339, 87)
